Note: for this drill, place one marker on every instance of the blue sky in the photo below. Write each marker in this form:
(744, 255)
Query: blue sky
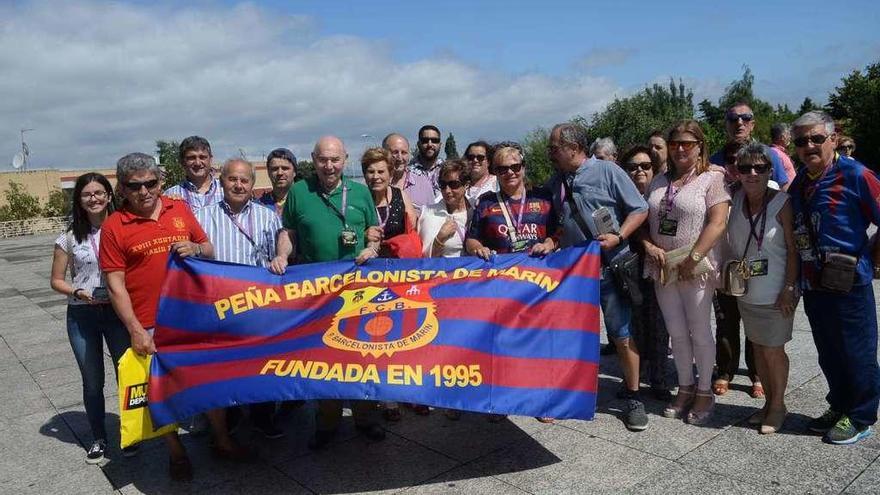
(97, 80)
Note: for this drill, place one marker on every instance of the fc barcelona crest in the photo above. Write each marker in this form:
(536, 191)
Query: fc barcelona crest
(384, 320)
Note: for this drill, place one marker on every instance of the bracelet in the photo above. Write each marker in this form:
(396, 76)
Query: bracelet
(437, 242)
(74, 293)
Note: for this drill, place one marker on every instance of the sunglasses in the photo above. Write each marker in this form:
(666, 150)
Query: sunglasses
(452, 184)
(471, 157)
(502, 169)
(733, 117)
(685, 145)
(136, 186)
(815, 139)
(429, 140)
(846, 147)
(759, 168)
(632, 166)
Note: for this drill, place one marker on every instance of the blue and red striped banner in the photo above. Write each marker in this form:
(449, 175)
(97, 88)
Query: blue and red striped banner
(517, 335)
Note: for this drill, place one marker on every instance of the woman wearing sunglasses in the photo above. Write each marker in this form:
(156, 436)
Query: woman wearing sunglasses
(761, 233)
(649, 330)
(90, 318)
(442, 226)
(688, 209)
(477, 157)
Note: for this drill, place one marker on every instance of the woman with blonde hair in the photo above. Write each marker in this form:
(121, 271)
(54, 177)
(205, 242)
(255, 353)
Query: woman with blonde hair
(688, 208)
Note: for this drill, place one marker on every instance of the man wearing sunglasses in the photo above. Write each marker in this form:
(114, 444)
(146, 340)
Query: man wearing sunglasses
(582, 186)
(835, 200)
(200, 188)
(425, 168)
(739, 122)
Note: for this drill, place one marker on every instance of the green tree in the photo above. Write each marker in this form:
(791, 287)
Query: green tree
(450, 149)
(19, 204)
(172, 170)
(538, 166)
(58, 204)
(807, 106)
(305, 169)
(630, 120)
(856, 104)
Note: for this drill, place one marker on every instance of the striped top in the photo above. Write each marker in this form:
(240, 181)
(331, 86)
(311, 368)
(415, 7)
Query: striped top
(82, 262)
(227, 232)
(188, 192)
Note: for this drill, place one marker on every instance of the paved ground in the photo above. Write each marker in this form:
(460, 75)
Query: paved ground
(43, 430)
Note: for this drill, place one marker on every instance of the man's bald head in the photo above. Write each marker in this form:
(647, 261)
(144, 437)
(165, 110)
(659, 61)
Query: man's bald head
(329, 157)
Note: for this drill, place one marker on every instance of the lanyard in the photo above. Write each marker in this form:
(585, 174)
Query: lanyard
(383, 221)
(810, 189)
(753, 222)
(672, 192)
(94, 244)
(512, 228)
(340, 214)
(248, 232)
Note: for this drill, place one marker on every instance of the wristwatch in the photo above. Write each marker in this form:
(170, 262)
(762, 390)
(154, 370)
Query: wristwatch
(619, 237)
(697, 256)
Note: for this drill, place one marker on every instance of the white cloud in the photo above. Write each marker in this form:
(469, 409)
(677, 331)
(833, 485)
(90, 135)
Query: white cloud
(98, 80)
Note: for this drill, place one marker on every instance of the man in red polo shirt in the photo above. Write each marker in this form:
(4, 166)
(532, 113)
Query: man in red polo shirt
(135, 242)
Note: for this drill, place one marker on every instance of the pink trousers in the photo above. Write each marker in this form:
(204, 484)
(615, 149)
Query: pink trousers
(687, 307)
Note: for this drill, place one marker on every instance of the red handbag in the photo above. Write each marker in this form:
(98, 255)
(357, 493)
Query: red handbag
(406, 245)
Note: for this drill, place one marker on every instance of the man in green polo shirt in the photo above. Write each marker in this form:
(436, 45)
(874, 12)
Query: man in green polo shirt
(326, 218)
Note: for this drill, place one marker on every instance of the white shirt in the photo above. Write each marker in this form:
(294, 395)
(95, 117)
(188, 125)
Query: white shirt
(432, 218)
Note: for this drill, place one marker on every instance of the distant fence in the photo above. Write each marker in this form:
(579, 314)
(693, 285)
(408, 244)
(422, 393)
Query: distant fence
(30, 226)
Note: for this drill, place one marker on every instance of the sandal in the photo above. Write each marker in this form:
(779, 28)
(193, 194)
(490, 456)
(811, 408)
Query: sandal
(758, 417)
(720, 387)
(544, 419)
(699, 418)
(676, 409)
(773, 421)
(757, 391)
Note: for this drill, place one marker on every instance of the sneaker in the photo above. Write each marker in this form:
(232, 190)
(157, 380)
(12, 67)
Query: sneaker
(269, 430)
(96, 452)
(131, 450)
(846, 432)
(635, 418)
(824, 422)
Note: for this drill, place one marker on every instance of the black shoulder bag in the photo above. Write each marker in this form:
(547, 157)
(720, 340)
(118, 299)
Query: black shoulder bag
(625, 268)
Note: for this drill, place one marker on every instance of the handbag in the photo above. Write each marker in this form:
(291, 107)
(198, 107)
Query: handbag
(406, 245)
(625, 269)
(675, 257)
(837, 271)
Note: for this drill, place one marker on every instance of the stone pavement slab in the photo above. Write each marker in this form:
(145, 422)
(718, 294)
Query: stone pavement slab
(43, 423)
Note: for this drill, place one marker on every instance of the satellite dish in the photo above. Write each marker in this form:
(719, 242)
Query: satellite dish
(17, 160)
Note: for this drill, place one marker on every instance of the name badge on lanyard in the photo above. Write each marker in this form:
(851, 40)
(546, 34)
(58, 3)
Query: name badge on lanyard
(347, 235)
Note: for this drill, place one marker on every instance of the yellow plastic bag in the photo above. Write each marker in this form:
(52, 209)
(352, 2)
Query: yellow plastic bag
(135, 424)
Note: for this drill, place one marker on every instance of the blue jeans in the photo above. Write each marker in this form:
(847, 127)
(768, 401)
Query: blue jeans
(845, 332)
(616, 309)
(86, 325)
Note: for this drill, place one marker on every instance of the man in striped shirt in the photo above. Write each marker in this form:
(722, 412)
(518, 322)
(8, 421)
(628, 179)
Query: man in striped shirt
(243, 231)
(200, 188)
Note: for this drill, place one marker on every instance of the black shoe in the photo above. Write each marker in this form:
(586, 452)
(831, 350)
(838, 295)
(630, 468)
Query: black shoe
(608, 349)
(269, 430)
(96, 452)
(373, 432)
(661, 393)
(634, 416)
(131, 450)
(824, 422)
(321, 439)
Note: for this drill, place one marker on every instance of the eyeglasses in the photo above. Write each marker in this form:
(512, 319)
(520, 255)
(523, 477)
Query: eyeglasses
(503, 169)
(733, 117)
(759, 168)
(96, 195)
(472, 157)
(429, 140)
(685, 145)
(452, 184)
(632, 166)
(815, 139)
(136, 186)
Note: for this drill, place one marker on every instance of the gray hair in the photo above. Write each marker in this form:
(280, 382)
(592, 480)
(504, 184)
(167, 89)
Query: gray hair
(132, 163)
(813, 118)
(754, 149)
(224, 170)
(779, 130)
(604, 144)
(570, 133)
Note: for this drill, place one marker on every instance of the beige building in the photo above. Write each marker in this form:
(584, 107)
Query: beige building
(40, 183)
